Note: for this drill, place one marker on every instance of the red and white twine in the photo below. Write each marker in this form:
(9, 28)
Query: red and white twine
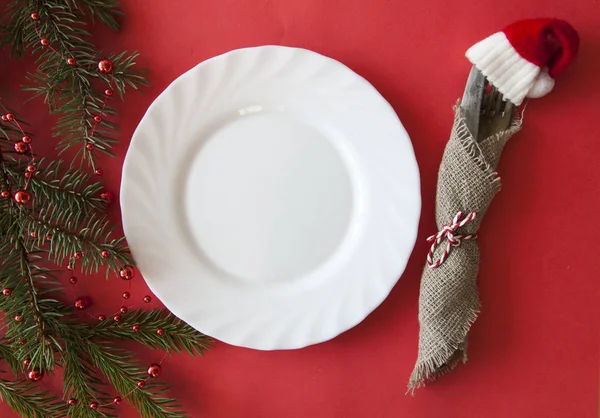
(448, 232)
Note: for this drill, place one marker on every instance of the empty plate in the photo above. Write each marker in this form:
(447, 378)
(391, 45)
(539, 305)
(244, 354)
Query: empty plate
(271, 197)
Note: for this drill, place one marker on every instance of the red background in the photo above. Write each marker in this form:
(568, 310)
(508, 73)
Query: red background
(534, 349)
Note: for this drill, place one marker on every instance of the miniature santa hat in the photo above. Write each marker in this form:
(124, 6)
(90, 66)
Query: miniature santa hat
(523, 60)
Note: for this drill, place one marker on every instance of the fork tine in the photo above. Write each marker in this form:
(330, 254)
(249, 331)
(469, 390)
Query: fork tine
(497, 102)
(485, 104)
(507, 115)
(503, 104)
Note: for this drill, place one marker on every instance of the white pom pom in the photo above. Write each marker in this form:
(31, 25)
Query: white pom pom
(542, 85)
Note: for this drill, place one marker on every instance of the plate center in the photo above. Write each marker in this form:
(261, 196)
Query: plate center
(268, 198)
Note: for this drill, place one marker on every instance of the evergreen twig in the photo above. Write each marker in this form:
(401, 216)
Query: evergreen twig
(24, 398)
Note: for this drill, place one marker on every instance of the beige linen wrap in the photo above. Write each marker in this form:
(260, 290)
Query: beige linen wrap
(449, 300)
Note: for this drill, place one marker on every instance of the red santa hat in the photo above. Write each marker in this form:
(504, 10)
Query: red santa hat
(523, 60)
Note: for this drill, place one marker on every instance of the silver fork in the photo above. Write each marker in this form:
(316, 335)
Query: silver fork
(486, 111)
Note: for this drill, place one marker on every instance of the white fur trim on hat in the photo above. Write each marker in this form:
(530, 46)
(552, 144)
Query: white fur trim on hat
(510, 73)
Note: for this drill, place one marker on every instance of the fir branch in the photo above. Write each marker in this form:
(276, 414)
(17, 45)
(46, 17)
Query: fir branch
(6, 353)
(66, 218)
(69, 90)
(71, 233)
(177, 335)
(24, 398)
(116, 365)
(81, 383)
(33, 336)
(65, 190)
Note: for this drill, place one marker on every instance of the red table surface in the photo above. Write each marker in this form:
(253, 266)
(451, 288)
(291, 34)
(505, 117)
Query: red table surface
(533, 352)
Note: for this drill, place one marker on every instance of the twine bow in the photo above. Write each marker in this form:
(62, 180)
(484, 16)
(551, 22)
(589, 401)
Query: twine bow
(453, 240)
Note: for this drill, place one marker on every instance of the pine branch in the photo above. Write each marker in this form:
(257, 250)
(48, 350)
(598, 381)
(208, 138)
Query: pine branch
(177, 335)
(81, 383)
(7, 354)
(24, 398)
(65, 222)
(116, 365)
(72, 233)
(32, 335)
(64, 189)
(71, 90)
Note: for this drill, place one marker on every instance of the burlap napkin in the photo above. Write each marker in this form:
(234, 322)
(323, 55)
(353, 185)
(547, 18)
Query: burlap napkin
(449, 300)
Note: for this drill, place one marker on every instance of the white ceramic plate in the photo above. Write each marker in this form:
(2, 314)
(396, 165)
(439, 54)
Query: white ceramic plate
(271, 197)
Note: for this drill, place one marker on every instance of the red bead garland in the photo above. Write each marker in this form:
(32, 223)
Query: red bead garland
(105, 66)
(35, 375)
(22, 197)
(83, 303)
(155, 370)
(21, 147)
(108, 196)
(126, 273)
